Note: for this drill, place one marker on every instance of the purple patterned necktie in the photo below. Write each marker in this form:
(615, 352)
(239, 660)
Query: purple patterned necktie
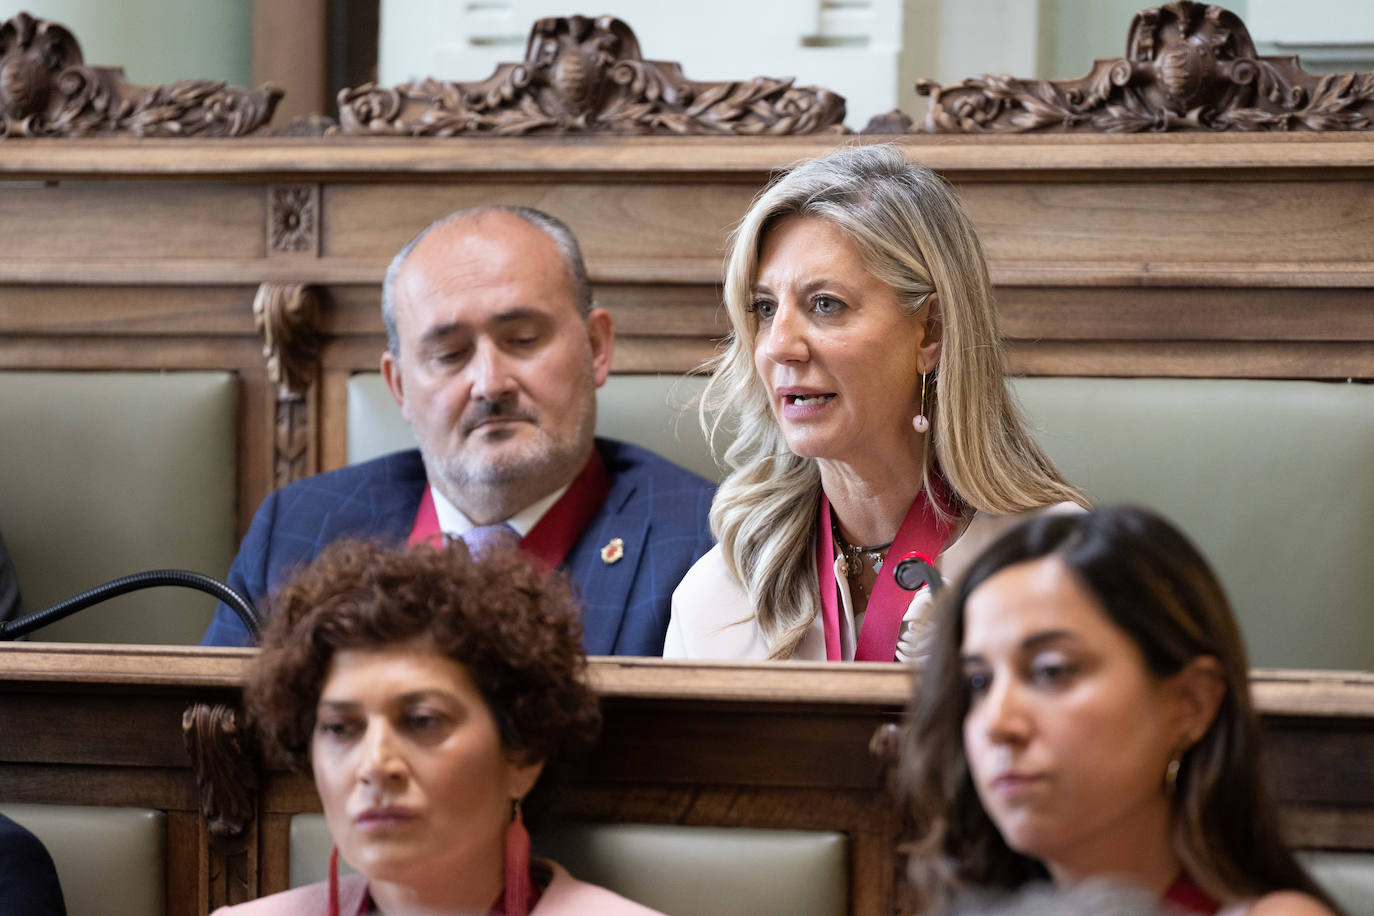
(484, 537)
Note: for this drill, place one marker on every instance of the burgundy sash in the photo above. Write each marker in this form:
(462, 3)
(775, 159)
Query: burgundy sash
(554, 534)
(922, 530)
(1188, 897)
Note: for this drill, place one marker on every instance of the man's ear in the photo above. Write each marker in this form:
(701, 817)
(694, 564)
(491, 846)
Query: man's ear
(933, 326)
(601, 335)
(391, 373)
(1198, 688)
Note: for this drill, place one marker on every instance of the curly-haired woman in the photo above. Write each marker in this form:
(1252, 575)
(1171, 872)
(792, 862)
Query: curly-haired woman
(427, 692)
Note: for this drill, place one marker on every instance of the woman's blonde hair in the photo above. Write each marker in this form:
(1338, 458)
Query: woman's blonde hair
(913, 234)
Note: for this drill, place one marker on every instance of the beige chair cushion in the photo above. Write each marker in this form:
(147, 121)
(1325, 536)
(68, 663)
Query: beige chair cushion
(110, 861)
(684, 871)
(106, 474)
(1272, 480)
(1346, 876)
(709, 871)
(655, 411)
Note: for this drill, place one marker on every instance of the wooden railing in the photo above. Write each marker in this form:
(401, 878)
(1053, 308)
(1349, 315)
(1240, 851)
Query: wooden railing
(782, 745)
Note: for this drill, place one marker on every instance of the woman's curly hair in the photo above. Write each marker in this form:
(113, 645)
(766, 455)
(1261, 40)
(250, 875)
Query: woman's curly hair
(513, 627)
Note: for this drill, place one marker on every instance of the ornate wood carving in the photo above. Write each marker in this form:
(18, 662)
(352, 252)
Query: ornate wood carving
(226, 774)
(288, 317)
(1188, 67)
(584, 75)
(47, 91)
(293, 222)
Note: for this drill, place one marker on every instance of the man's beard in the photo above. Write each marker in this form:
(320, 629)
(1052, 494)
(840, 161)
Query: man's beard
(540, 463)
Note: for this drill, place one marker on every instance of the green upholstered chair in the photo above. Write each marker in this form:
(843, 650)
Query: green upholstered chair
(107, 473)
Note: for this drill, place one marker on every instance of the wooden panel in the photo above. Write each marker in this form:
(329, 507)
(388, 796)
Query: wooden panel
(151, 735)
(1177, 221)
(127, 310)
(612, 220)
(97, 220)
(1194, 359)
(87, 784)
(1309, 765)
(1145, 157)
(1092, 313)
(185, 863)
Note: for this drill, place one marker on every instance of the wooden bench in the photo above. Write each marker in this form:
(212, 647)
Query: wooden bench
(764, 746)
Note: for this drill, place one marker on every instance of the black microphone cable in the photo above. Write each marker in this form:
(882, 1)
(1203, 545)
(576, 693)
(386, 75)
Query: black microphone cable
(153, 578)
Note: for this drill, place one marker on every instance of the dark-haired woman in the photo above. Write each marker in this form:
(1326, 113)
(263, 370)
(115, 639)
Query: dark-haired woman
(1085, 713)
(427, 692)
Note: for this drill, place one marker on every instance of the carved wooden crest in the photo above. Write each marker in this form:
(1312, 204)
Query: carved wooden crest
(47, 91)
(584, 75)
(1188, 66)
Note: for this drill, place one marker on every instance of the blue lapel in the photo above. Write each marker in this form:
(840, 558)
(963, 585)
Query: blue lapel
(605, 587)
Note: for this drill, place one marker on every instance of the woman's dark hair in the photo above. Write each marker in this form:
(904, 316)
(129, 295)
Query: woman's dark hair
(1157, 588)
(513, 627)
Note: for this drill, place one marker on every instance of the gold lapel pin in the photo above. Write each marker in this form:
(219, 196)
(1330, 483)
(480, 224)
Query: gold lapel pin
(613, 551)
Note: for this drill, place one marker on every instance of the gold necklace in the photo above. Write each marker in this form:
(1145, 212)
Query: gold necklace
(857, 559)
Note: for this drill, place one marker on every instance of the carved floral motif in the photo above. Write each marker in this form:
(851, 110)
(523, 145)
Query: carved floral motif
(47, 91)
(287, 316)
(1188, 66)
(292, 218)
(291, 437)
(583, 75)
(222, 759)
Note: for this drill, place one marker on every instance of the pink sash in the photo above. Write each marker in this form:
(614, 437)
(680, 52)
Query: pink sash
(922, 530)
(553, 535)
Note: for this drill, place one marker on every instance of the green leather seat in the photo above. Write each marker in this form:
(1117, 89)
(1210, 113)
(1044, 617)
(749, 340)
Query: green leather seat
(110, 861)
(681, 871)
(1272, 479)
(103, 474)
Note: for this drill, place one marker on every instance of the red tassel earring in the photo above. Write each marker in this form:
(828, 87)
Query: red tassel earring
(334, 881)
(517, 866)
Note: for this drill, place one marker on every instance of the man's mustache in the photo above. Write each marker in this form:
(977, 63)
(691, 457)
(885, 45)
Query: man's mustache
(485, 410)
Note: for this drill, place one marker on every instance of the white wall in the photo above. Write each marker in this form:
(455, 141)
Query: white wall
(157, 41)
(1329, 36)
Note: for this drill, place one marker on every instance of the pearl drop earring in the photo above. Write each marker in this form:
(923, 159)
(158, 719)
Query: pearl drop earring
(920, 421)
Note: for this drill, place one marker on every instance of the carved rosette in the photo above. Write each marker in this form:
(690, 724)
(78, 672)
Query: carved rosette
(583, 75)
(1188, 67)
(47, 91)
(222, 759)
(287, 315)
(293, 219)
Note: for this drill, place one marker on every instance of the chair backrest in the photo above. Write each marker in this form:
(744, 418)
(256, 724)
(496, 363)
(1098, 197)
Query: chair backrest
(1274, 480)
(685, 871)
(1347, 876)
(110, 861)
(103, 474)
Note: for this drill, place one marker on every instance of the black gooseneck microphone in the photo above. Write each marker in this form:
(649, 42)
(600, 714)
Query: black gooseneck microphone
(153, 578)
(915, 569)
